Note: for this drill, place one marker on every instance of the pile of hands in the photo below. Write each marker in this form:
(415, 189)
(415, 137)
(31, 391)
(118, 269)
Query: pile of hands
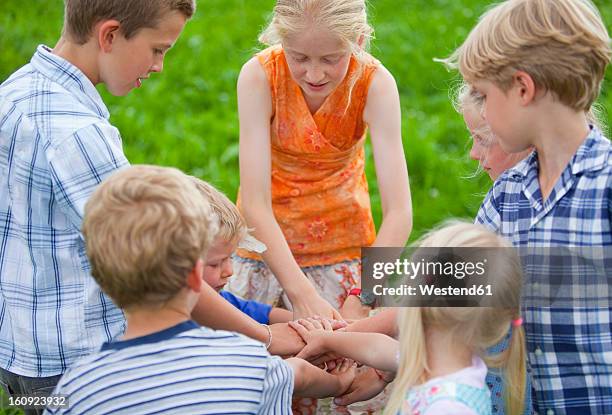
(315, 333)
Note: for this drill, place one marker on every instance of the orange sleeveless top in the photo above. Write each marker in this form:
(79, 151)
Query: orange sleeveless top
(319, 189)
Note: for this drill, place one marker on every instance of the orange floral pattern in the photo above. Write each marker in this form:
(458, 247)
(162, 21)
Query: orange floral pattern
(319, 191)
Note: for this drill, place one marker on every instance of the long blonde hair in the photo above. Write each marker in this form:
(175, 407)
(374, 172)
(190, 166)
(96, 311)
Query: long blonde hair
(477, 327)
(345, 19)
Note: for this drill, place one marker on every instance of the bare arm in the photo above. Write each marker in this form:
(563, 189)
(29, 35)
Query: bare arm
(280, 315)
(374, 349)
(312, 382)
(383, 116)
(215, 312)
(384, 322)
(255, 112)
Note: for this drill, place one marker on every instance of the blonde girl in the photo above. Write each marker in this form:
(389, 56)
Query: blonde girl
(304, 105)
(434, 341)
(485, 148)
(441, 354)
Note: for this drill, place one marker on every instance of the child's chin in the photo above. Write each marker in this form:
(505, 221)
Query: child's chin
(217, 289)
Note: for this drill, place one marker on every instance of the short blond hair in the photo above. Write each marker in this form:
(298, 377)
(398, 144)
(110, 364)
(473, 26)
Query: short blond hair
(145, 227)
(562, 44)
(80, 16)
(232, 226)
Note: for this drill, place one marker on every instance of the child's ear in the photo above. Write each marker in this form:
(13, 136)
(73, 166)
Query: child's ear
(195, 279)
(525, 86)
(360, 41)
(108, 31)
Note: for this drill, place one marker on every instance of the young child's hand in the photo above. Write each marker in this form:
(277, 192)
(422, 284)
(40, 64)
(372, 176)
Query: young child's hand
(365, 386)
(309, 328)
(313, 332)
(345, 373)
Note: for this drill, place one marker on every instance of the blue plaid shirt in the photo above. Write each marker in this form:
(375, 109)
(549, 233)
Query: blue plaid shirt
(56, 145)
(569, 349)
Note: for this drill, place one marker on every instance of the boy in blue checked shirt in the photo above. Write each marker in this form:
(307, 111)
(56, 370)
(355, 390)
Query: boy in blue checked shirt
(147, 231)
(538, 65)
(56, 146)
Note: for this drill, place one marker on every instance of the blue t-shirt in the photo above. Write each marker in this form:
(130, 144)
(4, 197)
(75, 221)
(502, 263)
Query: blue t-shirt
(257, 311)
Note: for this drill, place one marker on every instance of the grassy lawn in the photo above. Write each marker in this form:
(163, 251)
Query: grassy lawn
(186, 117)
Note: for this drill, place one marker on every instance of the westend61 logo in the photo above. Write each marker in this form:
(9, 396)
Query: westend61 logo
(445, 277)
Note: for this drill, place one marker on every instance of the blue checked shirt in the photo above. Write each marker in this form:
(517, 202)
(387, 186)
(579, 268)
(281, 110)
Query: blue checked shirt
(56, 146)
(569, 349)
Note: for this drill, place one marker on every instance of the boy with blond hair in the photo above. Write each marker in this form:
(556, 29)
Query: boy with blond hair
(232, 234)
(539, 65)
(56, 146)
(147, 230)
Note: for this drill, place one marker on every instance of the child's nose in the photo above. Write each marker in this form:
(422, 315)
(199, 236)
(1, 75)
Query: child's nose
(475, 152)
(158, 65)
(314, 74)
(228, 269)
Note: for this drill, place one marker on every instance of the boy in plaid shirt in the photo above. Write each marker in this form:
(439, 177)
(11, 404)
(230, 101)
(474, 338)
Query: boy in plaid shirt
(538, 65)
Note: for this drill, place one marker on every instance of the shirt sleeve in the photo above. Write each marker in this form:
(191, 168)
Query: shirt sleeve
(257, 311)
(79, 162)
(488, 214)
(277, 389)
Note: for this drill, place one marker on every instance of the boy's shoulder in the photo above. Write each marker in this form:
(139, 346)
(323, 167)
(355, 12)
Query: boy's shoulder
(185, 363)
(592, 159)
(53, 95)
(186, 342)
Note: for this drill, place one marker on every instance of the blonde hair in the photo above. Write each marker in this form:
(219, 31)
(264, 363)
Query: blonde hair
(477, 327)
(145, 227)
(562, 44)
(465, 100)
(347, 19)
(232, 226)
(80, 16)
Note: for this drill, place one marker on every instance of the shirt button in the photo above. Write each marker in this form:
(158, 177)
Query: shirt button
(550, 412)
(538, 352)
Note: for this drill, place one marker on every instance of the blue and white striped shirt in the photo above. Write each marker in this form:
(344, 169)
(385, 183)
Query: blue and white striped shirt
(185, 369)
(569, 348)
(56, 145)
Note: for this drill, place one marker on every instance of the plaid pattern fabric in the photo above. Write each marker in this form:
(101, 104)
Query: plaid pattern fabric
(56, 145)
(569, 347)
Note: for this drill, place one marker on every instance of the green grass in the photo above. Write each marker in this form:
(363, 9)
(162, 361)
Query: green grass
(186, 116)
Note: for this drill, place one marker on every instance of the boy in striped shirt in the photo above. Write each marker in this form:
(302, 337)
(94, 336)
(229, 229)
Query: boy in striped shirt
(147, 231)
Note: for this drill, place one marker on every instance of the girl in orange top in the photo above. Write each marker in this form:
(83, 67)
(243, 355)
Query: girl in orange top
(304, 106)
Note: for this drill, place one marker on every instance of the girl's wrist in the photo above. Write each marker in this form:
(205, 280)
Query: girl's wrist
(301, 292)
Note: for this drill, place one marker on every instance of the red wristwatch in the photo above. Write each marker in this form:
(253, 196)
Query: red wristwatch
(355, 291)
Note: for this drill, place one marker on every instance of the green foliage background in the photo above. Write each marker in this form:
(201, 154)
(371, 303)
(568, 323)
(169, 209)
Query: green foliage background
(186, 116)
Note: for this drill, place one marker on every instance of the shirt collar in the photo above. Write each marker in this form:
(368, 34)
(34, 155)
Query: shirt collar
(70, 77)
(156, 337)
(592, 155)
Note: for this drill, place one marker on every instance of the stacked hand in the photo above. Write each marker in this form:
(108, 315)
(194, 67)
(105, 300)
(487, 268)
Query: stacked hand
(313, 332)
